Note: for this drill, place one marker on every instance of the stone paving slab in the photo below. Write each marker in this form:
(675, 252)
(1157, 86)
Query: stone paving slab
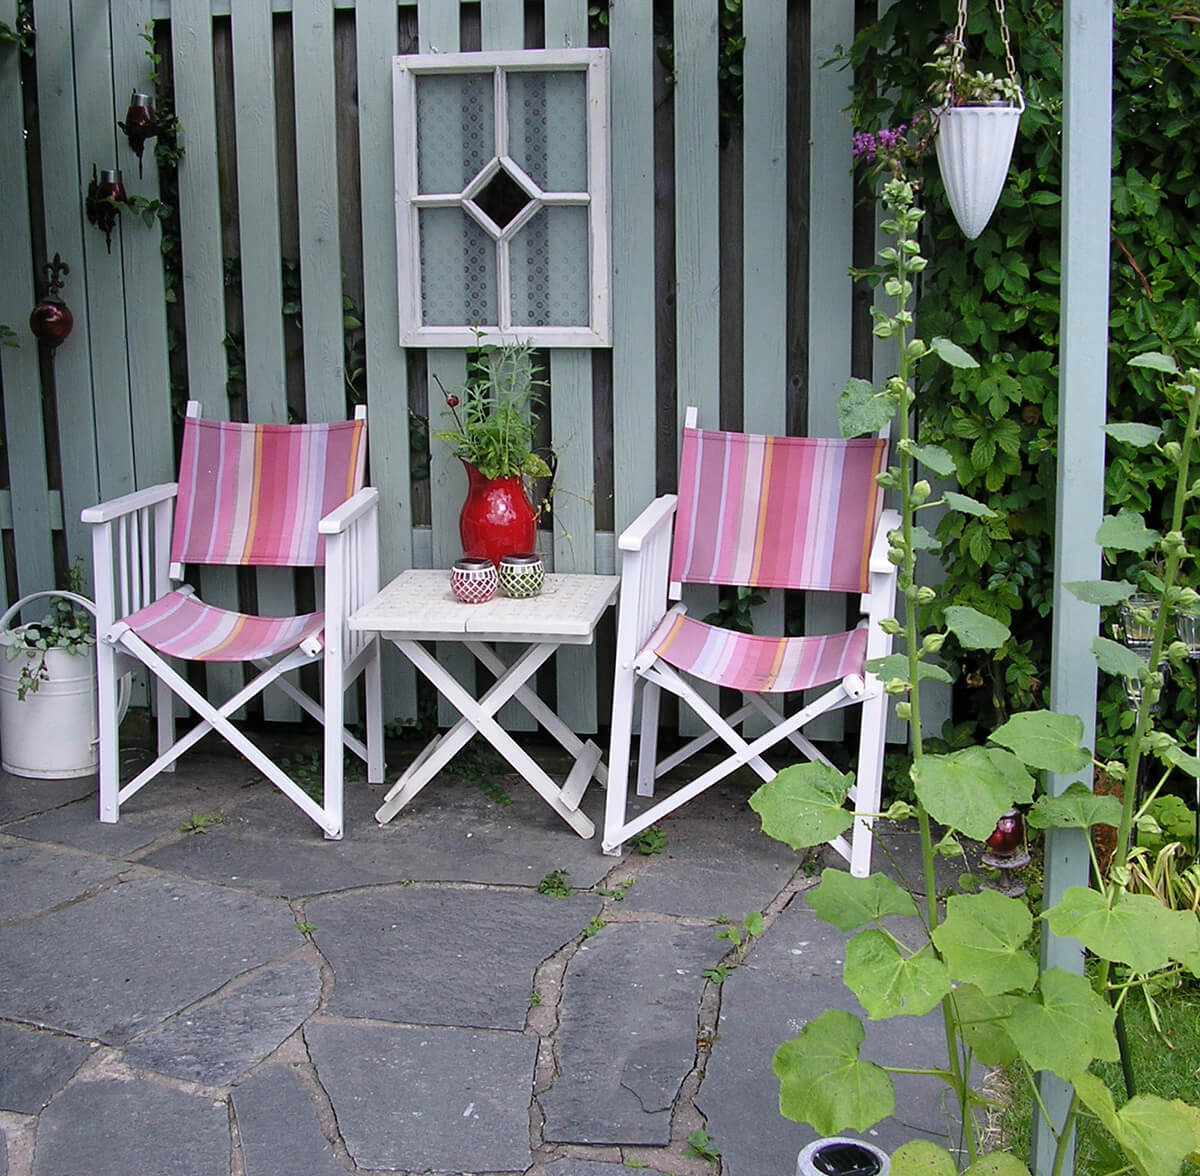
(278, 1126)
(627, 1032)
(442, 957)
(590, 1168)
(456, 834)
(428, 1099)
(34, 1066)
(222, 1039)
(792, 975)
(121, 1128)
(22, 797)
(38, 877)
(116, 964)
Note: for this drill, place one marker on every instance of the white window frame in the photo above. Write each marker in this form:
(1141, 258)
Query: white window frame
(409, 200)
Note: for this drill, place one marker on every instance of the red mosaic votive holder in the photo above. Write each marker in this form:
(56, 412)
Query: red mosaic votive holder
(473, 579)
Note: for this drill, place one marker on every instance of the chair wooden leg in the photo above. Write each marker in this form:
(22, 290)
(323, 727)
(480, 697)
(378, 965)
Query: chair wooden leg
(333, 759)
(648, 740)
(164, 702)
(620, 738)
(868, 782)
(110, 749)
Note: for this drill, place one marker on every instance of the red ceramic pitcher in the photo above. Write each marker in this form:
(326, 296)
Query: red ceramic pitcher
(497, 517)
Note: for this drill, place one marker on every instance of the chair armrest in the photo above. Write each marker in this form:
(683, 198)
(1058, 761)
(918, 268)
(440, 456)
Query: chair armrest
(658, 513)
(889, 520)
(115, 508)
(338, 519)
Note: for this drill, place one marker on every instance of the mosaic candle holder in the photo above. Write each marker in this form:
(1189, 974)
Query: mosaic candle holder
(473, 579)
(522, 574)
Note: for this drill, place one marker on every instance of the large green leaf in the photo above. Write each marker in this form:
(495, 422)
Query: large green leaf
(802, 806)
(895, 665)
(823, 1082)
(1136, 930)
(1117, 659)
(968, 505)
(849, 903)
(983, 939)
(920, 1157)
(1102, 592)
(1064, 1030)
(1044, 739)
(1125, 531)
(982, 1021)
(861, 409)
(935, 458)
(1156, 1135)
(890, 984)
(997, 1164)
(971, 789)
(1076, 808)
(1174, 755)
(975, 630)
(1133, 433)
(950, 352)
(1156, 360)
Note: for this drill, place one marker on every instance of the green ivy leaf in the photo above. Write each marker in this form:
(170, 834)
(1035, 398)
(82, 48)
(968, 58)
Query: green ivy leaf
(889, 983)
(1125, 531)
(1066, 1029)
(822, 1081)
(951, 353)
(975, 630)
(1102, 592)
(849, 903)
(1155, 1134)
(1155, 360)
(802, 806)
(983, 939)
(920, 1157)
(1076, 808)
(1046, 740)
(1133, 433)
(863, 410)
(1117, 659)
(968, 505)
(971, 789)
(935, 458)
(981, 1020)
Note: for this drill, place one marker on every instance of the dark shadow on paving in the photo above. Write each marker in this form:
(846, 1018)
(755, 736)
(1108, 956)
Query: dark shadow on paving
(21, 797)
(38, 877)
(442, 957)
(428, 1099)
(116, 964)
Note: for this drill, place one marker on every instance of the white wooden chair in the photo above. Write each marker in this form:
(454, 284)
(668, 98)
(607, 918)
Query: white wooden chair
(247, 496)
(772, 512)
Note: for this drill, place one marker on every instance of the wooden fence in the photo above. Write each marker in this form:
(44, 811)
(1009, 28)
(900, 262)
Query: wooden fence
(731, 241)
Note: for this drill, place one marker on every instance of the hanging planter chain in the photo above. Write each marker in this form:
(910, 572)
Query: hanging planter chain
(959, 45)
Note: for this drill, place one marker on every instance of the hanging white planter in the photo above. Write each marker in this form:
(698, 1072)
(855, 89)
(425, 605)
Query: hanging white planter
(974, 149)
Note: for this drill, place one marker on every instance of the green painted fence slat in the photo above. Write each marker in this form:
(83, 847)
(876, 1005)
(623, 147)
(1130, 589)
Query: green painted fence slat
(64, 235)
(18, 365)
(260, 254)
(317, 194)
(387, 371)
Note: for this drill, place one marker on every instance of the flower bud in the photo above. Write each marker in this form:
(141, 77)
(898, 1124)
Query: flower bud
(895, 686)
(933, 642)
(890, 626)
(926, 595)
(904, 711)
(1172, 451)
(920, 492)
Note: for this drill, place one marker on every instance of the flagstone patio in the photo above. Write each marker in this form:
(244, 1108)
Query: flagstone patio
(251, 1000)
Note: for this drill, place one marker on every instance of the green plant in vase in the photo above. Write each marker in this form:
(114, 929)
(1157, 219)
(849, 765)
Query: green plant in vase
(973, 958)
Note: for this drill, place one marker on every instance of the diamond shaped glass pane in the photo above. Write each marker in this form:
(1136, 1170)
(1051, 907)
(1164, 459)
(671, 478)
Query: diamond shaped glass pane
(456, 132)
(547, 127)
(458, 270)
(502, 198)
(548, 263)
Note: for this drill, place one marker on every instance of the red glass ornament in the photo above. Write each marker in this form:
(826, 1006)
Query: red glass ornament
(1009, 834)
(51, 321)
(497, 517)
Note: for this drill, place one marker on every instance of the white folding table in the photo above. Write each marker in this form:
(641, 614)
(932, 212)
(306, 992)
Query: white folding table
(418, 606)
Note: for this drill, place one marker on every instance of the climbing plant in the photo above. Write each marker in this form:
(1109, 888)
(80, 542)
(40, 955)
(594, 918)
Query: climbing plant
(999, 296)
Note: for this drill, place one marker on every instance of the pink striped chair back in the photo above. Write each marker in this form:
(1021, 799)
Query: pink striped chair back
(253, 494)
(776, 512)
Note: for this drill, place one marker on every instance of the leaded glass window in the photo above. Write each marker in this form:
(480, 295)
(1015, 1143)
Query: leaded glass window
(502, 197)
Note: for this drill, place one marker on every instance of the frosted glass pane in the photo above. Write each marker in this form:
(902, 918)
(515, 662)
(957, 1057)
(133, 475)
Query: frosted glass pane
(548, 262)
(456, 133)
(547, 127)
(458, 270)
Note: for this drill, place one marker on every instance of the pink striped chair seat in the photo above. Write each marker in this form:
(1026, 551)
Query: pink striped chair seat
(761, 665)
(776, 512)
(181, 625)
(252, 495)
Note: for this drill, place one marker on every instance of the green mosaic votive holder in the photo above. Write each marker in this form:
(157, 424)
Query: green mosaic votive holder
(522, 574)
